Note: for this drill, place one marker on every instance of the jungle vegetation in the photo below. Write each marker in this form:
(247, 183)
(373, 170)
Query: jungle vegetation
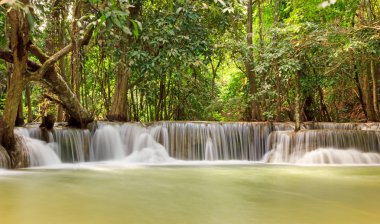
(218, 60)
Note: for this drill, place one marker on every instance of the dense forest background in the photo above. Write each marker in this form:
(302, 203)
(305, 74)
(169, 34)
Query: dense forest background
(222, 60)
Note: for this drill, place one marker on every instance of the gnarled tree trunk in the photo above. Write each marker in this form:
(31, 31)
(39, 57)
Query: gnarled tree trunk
(19, 38)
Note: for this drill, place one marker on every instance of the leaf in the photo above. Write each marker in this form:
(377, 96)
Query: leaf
(139, 24)
(135, 28)
(179, 10)
(99, 22)
(126, 30)
(222, 2)
(229, 10)
(29, 16)
(10, 2)
(116, 21)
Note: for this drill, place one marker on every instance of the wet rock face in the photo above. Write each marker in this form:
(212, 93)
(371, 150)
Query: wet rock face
(5, 161)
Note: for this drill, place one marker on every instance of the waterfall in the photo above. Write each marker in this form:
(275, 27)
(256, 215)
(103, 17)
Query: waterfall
(336, 156)
(73, 144)
(290, 147)
(41, 153)
(247, 141)
(106, 144)
(147, 150)
(227, 141)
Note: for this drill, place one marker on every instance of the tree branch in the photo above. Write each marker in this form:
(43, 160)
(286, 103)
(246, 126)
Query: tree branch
(54, 58)
(48, 62)
(52, 98)
(7, 56)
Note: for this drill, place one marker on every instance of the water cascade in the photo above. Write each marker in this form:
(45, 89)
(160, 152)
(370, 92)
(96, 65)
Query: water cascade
(41, 153)
(166, 141)
(301, 147)
(220, 141)
(38, 152)
(106, 144)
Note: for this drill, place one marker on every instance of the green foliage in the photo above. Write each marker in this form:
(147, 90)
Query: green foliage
(187, 59)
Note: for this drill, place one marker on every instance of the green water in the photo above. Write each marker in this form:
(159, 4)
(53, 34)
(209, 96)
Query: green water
(196, 194)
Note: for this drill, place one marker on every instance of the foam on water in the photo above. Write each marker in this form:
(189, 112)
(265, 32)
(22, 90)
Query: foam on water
(339, 156)
(147, 150)
(4, 173)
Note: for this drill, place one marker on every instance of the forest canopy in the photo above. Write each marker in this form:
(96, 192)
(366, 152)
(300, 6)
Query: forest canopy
(221, 60)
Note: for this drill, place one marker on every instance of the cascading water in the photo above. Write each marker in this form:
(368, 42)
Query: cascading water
(224, 141)
(336, 156)
(301, 147)
(73, 144)
(106, 144)
(166, 141)
(147, 150)
(39, 152)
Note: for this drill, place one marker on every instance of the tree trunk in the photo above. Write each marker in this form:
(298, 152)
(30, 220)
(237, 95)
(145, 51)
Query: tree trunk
(75, 56)
(324, 114)
(20, 115)
(260, 15)
(46, 73)
(374, 77)
(79, 116)
(275, 67)
(19, 38)
(297, 112)
(214, 70)
(62, 61)
(360, 91)
(368, 95)
(118, 110)
(160, 98)
(134, 105)
(254, 109)
(29, 102)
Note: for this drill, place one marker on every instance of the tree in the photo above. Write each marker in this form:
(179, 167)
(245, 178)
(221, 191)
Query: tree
(46, 72)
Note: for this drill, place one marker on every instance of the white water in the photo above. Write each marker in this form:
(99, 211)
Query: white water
(41, 153)
(171, 142)
(148, 150)
(338, 156)
(106, 144)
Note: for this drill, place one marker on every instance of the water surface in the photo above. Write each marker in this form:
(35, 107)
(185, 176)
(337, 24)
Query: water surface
(191, 194)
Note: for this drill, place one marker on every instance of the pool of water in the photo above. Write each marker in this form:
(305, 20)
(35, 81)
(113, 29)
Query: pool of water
(191, 194)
